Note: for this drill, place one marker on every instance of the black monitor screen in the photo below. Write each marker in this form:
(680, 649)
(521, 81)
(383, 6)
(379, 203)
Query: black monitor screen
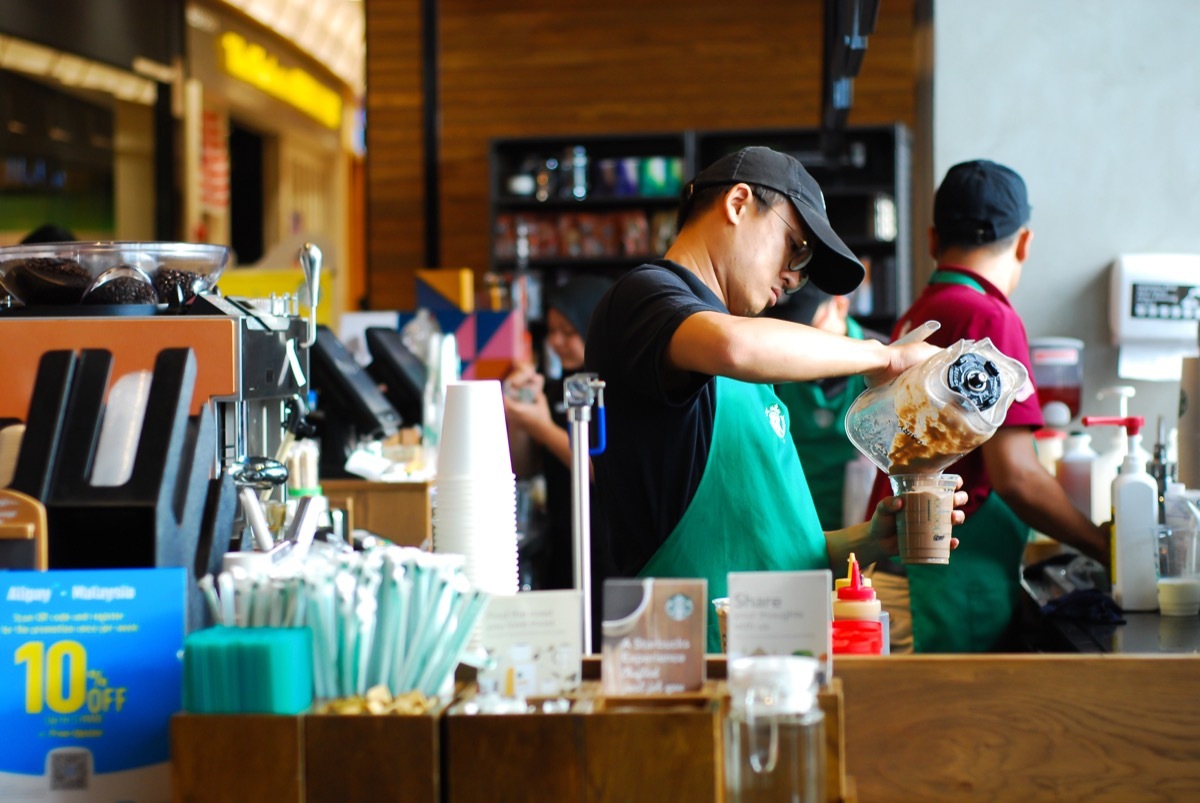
(401, 372)
(344, 389)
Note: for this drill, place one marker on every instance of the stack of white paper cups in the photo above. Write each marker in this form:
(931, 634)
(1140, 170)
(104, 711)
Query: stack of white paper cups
(475, 513)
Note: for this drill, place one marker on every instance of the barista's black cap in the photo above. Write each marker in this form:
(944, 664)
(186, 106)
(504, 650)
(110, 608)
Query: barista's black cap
(577, 298)
(799, 307)
(834, 268)
(980, 202)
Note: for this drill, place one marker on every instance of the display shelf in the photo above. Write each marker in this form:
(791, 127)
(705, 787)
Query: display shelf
(617, 224)
(518, 204)
(598, 203)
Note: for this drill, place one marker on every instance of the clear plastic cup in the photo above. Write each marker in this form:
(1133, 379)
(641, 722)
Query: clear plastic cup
(924, 523)
(1178, 583)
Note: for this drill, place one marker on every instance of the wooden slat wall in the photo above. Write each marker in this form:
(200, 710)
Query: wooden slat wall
(395, 152)
(550, 67)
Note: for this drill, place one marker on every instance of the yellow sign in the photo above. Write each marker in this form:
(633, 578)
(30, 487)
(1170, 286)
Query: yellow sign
(252, 64)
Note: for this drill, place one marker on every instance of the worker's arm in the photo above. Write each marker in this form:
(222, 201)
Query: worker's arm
(530, 420)
(1035, 495)
(767, 350)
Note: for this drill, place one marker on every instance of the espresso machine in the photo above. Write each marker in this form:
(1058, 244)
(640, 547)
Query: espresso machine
(88, 315)
(252, 354)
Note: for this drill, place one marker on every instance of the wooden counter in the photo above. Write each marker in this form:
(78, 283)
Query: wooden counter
(399, 511)
(1022, 727)
(914, 728)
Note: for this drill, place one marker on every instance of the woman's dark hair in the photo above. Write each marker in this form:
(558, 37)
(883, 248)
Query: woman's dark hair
(705, 197)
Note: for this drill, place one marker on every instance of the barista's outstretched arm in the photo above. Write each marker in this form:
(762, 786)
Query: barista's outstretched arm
(767, 350)
(1036, 497)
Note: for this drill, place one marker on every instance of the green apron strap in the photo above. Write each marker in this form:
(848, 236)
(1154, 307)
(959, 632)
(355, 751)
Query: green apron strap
(967, 605)
(950, 277)
(818, 427)
(752, 510)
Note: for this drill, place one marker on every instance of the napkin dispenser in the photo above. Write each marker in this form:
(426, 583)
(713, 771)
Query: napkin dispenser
(155, 518)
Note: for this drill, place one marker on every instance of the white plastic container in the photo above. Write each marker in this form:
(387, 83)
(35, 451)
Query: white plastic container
(1135, 517)
(1076, 474)
(1108, 461)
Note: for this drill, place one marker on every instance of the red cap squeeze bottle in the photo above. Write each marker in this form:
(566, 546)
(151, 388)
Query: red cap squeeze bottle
(856, 626)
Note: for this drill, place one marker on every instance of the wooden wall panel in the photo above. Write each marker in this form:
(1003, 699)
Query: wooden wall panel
(395, 209)
(551, 67)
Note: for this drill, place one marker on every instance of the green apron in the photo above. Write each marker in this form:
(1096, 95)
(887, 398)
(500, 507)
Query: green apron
(752, 510)
(818, 426)
(967, 606)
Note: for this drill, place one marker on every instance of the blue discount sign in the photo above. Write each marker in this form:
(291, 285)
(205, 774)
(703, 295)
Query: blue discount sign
(90, 674)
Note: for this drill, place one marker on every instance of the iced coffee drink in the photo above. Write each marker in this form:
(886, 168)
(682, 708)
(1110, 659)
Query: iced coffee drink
(924, 522)
(927, 433)
(935, 412)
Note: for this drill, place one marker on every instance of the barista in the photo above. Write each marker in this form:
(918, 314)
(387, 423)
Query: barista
(981, 240)
(701, 477)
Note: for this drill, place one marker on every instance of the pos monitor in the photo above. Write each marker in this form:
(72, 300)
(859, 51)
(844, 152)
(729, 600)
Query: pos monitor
(401, 372)
(351, 408)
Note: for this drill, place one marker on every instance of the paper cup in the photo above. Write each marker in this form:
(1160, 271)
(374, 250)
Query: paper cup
(474, 438)
(722, 606)
(924, 523)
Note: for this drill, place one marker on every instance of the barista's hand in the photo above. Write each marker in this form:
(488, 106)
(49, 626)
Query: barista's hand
(883, 521)
(900, 358)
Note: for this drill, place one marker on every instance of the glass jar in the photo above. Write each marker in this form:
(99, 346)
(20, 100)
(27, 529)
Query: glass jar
(775, 731)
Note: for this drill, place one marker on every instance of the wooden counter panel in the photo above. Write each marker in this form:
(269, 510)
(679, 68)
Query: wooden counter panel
(399, 511)
(1014, 727)
(236, 758)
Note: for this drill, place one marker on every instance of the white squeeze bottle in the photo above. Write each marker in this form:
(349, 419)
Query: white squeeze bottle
(1076, 474)
(1135, 515)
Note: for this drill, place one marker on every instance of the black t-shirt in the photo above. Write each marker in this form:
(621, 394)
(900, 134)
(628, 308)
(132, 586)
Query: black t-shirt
(659, 421)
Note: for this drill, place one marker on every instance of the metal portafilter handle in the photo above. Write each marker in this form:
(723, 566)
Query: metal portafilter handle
(258, 474)
(310, 263)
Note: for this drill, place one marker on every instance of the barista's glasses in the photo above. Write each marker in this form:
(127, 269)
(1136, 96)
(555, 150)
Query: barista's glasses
(799, 255)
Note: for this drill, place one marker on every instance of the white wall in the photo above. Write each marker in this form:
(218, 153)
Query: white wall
(1097, 104)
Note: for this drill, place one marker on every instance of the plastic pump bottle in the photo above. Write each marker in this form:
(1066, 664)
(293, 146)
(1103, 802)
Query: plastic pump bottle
(1135, 515)
(1076, 473)
(856, 626)
(1109, 460)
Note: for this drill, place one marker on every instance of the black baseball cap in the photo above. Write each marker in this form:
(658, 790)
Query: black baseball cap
(980, 202)
(834, 267)
(799, 307)
(576, 299)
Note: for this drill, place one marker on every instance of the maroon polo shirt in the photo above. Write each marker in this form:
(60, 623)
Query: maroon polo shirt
(967, 314)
